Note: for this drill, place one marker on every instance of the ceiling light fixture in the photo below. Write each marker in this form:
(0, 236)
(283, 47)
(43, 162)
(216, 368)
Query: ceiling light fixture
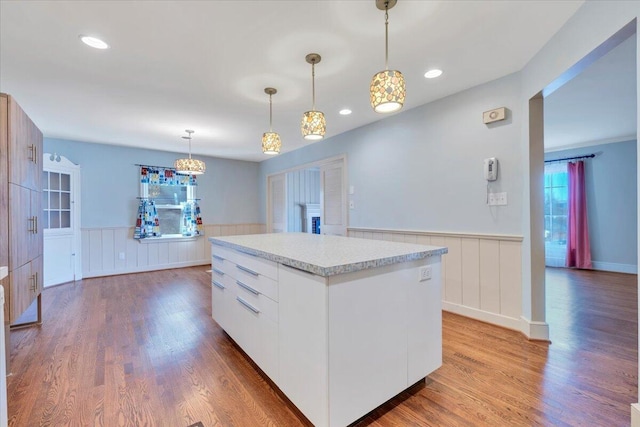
(189, 166)
(344, 112)
(432, 74)
(94, 42)
(387, 88)
(271, 143)
(314, 125)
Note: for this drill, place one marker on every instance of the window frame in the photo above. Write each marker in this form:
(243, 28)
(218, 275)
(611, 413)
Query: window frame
(191, 195)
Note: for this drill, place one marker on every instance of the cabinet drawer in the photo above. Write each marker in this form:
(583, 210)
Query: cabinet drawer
(255, 264)
(256, 300)
(257, 335)
(257, 282)
(220, 259)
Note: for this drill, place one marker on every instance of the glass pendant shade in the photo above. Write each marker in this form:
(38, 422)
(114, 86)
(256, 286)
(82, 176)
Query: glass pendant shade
(387, 91)
(190, 166)
(313, 125)
(271, 143)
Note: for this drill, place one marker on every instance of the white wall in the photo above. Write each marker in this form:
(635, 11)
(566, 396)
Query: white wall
(110, 178)
(422, 169)
(110, 185)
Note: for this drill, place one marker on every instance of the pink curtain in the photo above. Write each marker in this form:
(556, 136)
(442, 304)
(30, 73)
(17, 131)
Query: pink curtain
(578, 250)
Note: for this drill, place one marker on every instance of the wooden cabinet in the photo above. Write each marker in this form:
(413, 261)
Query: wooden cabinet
(20, 208)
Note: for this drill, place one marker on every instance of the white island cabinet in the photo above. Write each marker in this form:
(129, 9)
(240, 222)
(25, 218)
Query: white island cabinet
(340, 325)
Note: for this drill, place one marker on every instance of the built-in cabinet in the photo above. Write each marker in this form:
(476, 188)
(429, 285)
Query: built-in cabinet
(245, 304)
(337, 346)
(20, 203)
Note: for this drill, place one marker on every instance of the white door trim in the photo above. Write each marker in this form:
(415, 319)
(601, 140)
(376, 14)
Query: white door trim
(56, 163)
(317, 163)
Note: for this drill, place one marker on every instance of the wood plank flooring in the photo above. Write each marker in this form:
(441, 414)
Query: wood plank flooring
(142, 350)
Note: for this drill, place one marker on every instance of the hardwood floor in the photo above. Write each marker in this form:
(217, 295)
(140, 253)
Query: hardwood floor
(142, 350)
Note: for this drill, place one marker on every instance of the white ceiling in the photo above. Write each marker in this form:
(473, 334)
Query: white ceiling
(596, 107)
(203, 65)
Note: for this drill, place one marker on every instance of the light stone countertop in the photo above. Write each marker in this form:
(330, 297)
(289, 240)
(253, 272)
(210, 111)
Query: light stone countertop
(326, 255)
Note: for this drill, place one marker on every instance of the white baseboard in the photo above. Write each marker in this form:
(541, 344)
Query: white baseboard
(147, 268)
(484, 316)
(534, 330)
(635, 415)
(615, 267)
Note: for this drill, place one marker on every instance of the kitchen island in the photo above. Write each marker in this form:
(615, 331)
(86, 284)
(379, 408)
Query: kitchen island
(340, 325)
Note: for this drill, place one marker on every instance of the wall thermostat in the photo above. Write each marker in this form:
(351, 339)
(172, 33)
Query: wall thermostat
(494, 115)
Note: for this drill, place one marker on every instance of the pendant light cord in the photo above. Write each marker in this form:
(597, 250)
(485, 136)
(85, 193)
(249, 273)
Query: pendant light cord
(270, 115)
(313, 85)
(386, 36)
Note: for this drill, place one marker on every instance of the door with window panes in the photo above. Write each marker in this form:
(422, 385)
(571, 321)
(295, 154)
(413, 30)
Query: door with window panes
(60, 222)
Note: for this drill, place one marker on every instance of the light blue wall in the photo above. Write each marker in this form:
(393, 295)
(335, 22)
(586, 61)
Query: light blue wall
(423, 168)
(109, 180)
(611, 183)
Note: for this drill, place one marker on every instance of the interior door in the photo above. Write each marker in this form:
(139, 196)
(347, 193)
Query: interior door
(333, 198)
(60, 220)
(277, 208)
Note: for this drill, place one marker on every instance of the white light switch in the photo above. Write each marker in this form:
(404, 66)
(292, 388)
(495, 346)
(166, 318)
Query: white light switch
(497, 199)
(352, 189)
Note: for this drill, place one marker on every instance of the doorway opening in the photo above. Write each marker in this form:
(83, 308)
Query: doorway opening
(311, 198)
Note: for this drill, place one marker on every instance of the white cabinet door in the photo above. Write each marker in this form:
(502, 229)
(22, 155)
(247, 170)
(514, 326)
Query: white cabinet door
(333, 199)
(303, 341)
(277, 204)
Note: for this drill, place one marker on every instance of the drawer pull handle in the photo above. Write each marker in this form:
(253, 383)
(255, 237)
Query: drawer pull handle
(246, 270)
(249, 306)
(220, 272)
(247, 287)
(218, 284)
(246, 253)
(218, 257)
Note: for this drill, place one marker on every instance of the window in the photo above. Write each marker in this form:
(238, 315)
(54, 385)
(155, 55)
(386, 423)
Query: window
(56, 200)
(168, 205)
(556, 209)
(170, 200)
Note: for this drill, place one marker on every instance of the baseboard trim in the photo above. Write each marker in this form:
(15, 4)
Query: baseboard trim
(147, 268)
(615, 267)
(534, 330)
(483, 316)
(635, 415)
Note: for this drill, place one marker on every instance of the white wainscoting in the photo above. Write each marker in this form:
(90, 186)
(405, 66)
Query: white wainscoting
(481, 274)
(102, 249)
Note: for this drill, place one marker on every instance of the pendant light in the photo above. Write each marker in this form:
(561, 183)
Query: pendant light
(189, 166)
(271, 140)
(313, 125)
(387, 88)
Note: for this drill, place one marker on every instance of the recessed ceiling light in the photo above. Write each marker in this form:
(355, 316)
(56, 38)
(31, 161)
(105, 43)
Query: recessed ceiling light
(432, 74)
(94, 42)
(345, 112)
